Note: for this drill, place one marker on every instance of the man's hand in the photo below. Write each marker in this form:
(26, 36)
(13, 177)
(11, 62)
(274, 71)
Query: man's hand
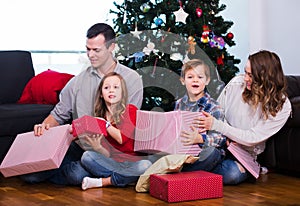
(40, 128)
(47, 123)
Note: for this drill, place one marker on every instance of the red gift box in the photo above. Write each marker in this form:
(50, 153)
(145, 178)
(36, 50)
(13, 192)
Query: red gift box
(88, 126)
(30, 153)
(185, 186)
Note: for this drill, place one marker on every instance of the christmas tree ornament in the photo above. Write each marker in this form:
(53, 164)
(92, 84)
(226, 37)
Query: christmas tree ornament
(176, 57)
(150, 48)
(138, 56)
(198, 12)
(180, 15)
(205, 34)
(220, 60)
(229, 36)
(158, 21)
(217, 41)
(136, 33)
(192, 45)
(145, 7)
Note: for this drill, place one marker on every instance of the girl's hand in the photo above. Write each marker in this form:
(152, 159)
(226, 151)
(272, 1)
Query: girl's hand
(191, 137)
(204, 122)
(94, 141)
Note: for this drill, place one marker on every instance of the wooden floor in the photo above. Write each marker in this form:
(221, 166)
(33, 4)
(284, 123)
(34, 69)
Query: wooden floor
(271, 189)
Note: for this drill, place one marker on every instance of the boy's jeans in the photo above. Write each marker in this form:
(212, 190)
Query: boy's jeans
(209, 158)
(213, 160)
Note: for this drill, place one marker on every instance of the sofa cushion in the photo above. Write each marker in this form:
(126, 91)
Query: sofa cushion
(16, 70)
(19, 118)
(293, 82)
(44, 88)
(294, 119)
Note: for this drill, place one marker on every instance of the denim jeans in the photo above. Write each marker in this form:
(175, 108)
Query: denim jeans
(209, 158)
(63, 175)
(213, 160)
(121, 173)
(230, 171)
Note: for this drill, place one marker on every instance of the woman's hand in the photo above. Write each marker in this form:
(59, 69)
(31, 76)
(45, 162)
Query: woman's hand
(191, 137)
(203, 123)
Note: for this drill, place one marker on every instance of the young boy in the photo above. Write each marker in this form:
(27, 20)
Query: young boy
(195, 75)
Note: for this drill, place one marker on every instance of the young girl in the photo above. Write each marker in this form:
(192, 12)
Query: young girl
(195, 75)
(113, 161)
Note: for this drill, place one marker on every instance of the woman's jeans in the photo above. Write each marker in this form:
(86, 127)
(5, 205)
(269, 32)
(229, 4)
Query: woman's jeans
(121, 173)
(214, 160)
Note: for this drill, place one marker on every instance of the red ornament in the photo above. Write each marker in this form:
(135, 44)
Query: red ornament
(230, 35)
(220, 60)
(198, 12)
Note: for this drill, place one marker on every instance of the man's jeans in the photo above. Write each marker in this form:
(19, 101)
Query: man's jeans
(70, 163)
(121, 173)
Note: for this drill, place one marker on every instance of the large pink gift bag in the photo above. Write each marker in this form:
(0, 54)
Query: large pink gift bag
(245, 159)
(160, 132)
(30, 153)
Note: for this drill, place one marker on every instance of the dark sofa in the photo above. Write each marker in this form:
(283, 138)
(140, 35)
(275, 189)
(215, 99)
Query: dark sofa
(282, 153)
(16, 69)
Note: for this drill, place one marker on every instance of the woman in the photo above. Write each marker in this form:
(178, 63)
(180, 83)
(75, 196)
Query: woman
(256, 107)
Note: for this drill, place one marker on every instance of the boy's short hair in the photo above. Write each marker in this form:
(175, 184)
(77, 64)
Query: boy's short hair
(193, 63)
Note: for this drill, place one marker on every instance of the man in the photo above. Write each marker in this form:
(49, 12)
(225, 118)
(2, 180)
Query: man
(78, 97)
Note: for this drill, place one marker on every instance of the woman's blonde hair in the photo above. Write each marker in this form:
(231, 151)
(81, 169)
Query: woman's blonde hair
(100, 105)
(268, 83)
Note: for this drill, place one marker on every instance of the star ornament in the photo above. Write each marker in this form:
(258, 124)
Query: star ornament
(136, 33)
(180, 15)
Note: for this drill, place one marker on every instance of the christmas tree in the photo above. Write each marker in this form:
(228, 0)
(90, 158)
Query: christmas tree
(156, 37)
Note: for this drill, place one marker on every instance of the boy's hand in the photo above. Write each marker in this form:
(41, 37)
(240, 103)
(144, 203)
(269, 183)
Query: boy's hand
(191, 137)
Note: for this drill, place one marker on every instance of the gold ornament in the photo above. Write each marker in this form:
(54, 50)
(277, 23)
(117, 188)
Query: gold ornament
(192, 45)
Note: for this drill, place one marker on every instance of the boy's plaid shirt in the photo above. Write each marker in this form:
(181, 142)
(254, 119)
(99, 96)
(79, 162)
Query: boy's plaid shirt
(207, 104)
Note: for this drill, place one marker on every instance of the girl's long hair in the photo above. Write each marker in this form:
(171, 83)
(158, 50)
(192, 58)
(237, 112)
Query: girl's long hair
(268, 83)
(100, 105)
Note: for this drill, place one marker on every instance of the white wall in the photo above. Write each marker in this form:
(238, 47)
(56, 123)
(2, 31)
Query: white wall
(258, 24)
(49, 24)
(266, 24)
(277, 29)
(237, 12)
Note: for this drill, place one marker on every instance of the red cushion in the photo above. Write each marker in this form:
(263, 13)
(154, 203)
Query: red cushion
(44, 88)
